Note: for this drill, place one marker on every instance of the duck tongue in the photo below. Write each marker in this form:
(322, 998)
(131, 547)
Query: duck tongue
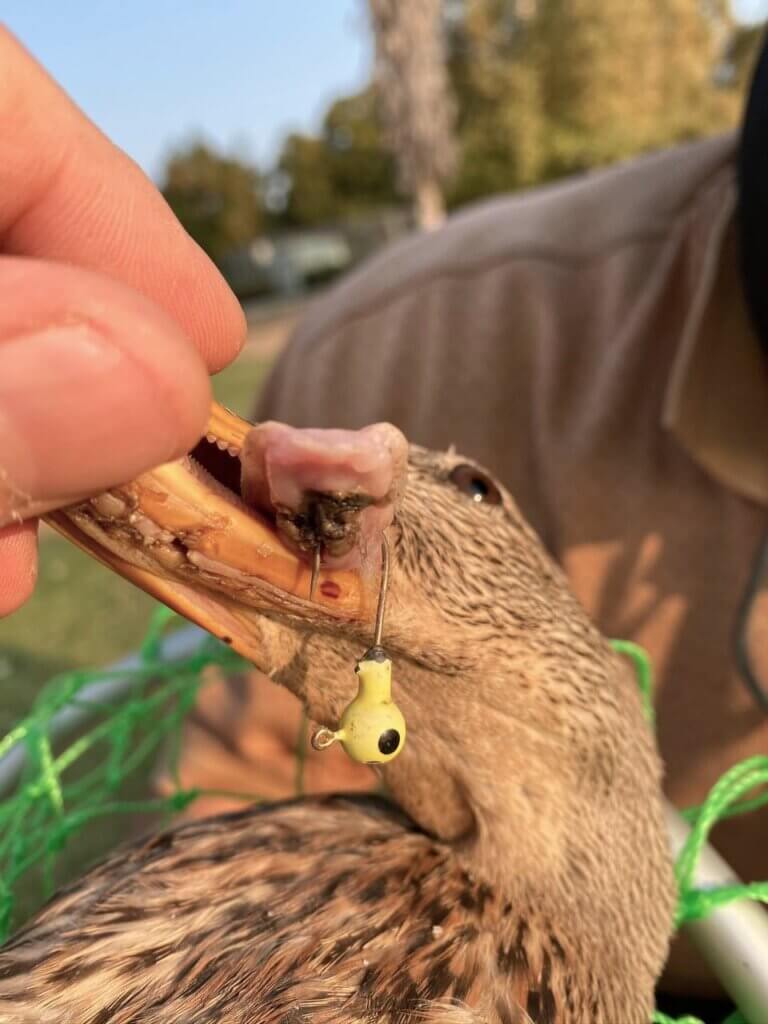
(336, 489)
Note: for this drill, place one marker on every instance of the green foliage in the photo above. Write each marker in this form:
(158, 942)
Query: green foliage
(360, 163)
(574, 84)
(498, 89)
(216, 198)
(346, 169)
(541, 88)
(311, 198)
(620, 79)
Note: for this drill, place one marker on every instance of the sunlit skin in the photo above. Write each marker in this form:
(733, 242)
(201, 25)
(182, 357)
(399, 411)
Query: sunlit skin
(95, 269)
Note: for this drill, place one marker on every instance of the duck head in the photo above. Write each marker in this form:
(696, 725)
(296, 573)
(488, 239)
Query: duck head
(527, 748)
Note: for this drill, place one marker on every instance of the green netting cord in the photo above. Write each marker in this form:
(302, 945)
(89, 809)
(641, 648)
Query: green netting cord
(60, 792)
(723, 801)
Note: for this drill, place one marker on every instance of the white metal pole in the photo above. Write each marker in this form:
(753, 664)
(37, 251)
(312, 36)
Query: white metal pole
(733, 939)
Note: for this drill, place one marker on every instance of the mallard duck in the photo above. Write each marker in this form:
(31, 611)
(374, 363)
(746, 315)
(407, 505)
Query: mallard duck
(518, 870)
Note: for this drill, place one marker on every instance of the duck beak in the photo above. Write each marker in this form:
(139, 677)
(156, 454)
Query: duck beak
(182, 533)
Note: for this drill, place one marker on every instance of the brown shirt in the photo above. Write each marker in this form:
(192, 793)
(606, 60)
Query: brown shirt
(589, 344)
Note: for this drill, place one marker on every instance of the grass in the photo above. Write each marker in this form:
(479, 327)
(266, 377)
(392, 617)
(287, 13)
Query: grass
(82, 615)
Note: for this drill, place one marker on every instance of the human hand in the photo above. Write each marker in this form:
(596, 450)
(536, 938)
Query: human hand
(111, 317)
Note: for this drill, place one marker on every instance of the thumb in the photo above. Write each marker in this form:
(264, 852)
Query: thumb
(96, 385)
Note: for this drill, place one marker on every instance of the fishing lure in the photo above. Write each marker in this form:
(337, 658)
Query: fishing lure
(372, 727)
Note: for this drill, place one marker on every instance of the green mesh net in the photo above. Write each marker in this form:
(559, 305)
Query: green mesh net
(102, 776)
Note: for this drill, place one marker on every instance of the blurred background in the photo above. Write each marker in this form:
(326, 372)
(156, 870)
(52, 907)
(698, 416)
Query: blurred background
(293, 139)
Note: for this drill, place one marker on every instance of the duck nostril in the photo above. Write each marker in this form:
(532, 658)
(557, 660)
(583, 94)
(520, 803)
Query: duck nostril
(328, 520)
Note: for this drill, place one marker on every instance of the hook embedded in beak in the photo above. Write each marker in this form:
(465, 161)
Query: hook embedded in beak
(316, 556)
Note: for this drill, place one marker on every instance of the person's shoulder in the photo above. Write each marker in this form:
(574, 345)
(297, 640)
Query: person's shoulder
(569, 223)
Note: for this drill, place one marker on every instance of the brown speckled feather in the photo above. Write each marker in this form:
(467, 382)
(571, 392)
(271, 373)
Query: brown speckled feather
(331, 911)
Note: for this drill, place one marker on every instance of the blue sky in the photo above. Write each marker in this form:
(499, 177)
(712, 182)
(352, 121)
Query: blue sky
(241, 73)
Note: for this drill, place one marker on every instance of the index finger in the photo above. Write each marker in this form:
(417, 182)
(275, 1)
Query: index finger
(68, 194)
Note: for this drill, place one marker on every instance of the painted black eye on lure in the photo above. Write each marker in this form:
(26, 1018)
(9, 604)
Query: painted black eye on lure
(389, 741)
(372, 728)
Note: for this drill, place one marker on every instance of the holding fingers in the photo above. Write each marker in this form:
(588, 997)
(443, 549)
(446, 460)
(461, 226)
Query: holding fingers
(111, 317)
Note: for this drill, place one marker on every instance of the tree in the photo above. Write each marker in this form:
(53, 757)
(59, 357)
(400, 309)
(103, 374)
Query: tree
(542, 88)
(344, 171)
(309, 196)
(416, 104)
(497, 87)
(618, 79)
(362, 168)
(216, 198)
(551, 87)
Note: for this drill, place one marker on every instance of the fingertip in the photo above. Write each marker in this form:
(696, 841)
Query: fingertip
(194, 410)
(231, 332)
(218, 325)
(18, 565)
(176, 403)
(198, 297)
(98, 384)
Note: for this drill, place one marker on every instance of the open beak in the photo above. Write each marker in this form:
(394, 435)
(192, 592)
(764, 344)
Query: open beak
(182, 533)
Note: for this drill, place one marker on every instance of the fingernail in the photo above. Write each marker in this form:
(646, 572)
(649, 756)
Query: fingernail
(79, 411)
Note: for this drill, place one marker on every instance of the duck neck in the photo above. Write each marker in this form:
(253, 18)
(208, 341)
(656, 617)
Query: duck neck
(480, 778)
(544, 794)
(541, 777)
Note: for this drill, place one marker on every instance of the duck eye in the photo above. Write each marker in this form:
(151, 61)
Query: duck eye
(389, 741)
(475, 484)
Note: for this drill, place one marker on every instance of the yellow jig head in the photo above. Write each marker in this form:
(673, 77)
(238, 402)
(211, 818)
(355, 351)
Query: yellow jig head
(372, 728)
